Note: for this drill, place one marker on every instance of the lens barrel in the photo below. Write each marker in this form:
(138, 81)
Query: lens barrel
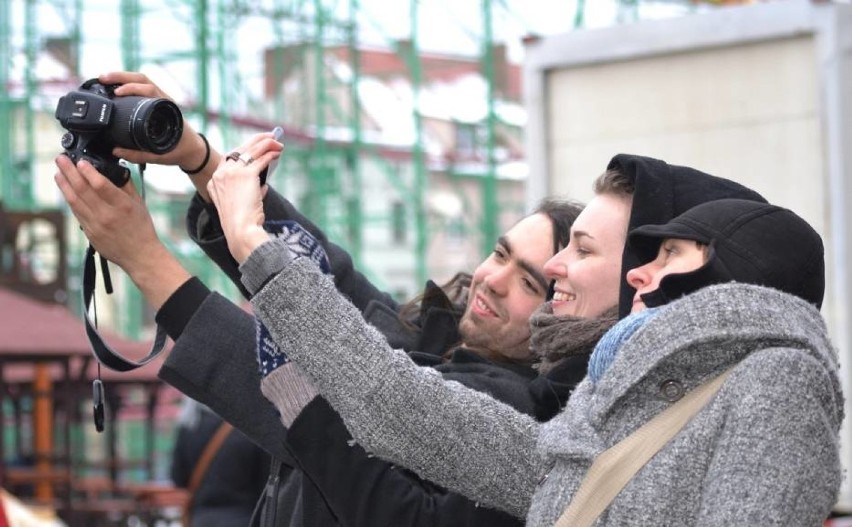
(145, 123)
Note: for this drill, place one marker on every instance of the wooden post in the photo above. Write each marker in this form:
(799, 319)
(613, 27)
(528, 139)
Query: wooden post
(43, 432)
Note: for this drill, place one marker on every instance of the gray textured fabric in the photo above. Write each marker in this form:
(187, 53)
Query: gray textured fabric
(763, 452)
(275, 256)
(293, 391)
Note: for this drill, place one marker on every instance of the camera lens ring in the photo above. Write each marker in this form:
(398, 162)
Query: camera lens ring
(147, 117)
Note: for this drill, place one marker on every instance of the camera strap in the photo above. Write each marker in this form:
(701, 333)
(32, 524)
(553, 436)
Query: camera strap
(103, 352)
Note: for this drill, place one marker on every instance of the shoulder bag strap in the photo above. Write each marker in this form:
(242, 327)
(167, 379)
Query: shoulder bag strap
(615, 467)
(203, 464)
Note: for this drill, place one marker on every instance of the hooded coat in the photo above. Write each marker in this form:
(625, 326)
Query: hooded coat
(661, 192)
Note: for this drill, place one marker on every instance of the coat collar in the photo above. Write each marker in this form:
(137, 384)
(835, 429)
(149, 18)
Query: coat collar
(692, 340)
(701, 335)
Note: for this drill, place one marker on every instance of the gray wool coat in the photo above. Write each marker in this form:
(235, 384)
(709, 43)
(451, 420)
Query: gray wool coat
(763, 452)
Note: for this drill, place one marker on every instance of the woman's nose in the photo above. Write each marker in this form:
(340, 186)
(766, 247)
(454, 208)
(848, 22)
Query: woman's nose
(639, 277)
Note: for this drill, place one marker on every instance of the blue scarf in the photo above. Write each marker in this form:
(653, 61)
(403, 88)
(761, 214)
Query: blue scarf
(608, 346)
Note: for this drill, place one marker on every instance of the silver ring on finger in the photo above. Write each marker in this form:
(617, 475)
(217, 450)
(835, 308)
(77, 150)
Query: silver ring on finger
(245, 159)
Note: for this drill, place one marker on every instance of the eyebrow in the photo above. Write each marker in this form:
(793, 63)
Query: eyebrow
(580, 234)
(523, 264)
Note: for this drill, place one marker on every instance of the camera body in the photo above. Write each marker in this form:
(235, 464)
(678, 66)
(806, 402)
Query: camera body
(97, 121)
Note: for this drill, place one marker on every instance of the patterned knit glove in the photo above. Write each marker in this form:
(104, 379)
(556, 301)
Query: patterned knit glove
(301, 244)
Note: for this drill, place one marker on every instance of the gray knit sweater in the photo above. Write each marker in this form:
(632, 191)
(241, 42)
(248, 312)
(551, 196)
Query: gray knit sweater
(763, 452)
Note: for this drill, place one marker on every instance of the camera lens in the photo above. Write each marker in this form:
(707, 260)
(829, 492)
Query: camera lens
(161, 128)
(142, 123)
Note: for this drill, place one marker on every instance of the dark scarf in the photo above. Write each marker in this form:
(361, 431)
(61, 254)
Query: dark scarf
(553, 337)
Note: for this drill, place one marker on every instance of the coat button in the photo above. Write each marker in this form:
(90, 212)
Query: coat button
(671, 390)
(546, 474)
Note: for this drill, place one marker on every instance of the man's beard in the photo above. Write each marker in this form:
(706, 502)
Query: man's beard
(492, 342)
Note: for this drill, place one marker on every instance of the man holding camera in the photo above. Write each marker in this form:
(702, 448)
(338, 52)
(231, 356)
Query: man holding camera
(119, 226)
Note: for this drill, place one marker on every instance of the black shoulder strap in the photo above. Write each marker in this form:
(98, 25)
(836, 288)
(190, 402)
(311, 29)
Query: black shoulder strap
(106, 355)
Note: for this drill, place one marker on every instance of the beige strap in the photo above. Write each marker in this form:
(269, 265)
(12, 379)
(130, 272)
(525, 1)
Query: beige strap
(203, 463)
(615, 467)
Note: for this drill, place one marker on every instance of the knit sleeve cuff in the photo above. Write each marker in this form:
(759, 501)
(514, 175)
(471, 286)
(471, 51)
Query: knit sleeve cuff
(263, 263)
(289, 390)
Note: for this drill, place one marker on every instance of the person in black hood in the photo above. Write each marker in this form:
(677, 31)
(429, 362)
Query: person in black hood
(662, 191)
(653, 192)
(742, 241)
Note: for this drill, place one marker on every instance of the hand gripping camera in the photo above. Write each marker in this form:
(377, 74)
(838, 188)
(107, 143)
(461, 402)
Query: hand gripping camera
(97, 121)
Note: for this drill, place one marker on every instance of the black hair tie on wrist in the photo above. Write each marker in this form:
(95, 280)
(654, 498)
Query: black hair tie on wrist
(203, 163)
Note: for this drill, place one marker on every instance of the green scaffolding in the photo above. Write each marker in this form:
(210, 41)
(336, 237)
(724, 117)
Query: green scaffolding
(326, 176)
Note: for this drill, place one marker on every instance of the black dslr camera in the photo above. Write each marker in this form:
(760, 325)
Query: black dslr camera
(97, 121)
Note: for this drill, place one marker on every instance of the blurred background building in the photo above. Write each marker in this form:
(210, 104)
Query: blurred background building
(415, 133)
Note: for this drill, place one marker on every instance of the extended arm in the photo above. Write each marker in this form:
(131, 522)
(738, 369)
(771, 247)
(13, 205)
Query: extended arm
(213, 360)
(454, 436)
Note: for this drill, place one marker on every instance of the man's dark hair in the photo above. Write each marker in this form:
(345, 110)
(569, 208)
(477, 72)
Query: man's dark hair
(562, 214)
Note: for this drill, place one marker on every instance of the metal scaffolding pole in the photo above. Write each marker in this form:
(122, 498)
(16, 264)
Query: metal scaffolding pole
(420, 175)
(354, 209)
(202, 64)
(580, 14)
(25, 161)
(130, 35)
(321, 172)
(490, 228)
(6, 105)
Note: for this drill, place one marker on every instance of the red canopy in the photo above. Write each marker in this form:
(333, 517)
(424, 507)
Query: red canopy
(31, 330)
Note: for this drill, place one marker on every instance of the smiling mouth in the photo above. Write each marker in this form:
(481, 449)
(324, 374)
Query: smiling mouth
(482, 307)
(560, 296)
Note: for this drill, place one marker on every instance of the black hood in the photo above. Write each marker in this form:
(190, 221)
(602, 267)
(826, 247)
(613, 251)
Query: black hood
(750, 242)
(662, 192)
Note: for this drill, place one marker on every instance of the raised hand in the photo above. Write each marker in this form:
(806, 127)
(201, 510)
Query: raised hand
(120, 228)
(238, 196)
(190, 151)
